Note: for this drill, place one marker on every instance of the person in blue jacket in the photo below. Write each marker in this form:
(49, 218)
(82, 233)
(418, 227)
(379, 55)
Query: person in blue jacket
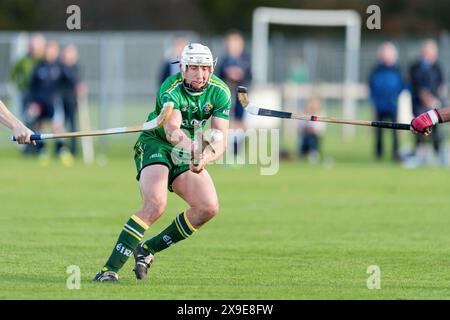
(386, 84)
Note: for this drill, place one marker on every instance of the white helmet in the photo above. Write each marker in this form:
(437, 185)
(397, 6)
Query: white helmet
(197, 54)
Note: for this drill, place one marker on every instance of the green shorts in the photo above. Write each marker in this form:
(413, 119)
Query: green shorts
(154, 151)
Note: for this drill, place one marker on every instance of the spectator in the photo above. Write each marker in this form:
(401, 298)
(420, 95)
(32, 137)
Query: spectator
(46, 82)
(172, 64)
(426, 80)
(386, 85)
(20, 72)
(235, 71)
(71, 88)
(310, 132)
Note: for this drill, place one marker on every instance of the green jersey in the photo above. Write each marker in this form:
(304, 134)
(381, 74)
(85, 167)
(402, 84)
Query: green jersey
(152, 147)
(214, 101)
(21, 72)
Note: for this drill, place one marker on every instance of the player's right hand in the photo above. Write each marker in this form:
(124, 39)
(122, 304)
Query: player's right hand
(424, 123)
(23, 134)
(198, 167)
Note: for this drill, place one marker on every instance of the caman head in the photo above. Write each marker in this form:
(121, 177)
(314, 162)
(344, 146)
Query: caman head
(243, 96)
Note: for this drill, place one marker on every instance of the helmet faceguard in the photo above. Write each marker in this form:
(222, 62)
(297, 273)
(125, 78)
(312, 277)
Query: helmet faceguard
(198, 55)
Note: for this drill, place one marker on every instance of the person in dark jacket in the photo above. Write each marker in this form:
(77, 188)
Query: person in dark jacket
(426, 81)
(385, 86)
(70, 89)
(45, 88)
(235, 70)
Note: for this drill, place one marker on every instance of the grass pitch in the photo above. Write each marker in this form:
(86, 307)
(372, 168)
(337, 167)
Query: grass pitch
(309, 232)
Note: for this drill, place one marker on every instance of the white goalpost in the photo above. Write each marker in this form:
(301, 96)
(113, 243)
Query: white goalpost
(263, 17)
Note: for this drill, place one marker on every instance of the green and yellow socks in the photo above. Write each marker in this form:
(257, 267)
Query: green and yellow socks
(178, 230)
(129, 238)
(132, 235)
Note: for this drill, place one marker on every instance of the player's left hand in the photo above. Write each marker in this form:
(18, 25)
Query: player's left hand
(23, 134)
(424, 123)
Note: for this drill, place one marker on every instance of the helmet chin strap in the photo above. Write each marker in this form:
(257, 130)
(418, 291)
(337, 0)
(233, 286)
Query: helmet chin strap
(190, 88)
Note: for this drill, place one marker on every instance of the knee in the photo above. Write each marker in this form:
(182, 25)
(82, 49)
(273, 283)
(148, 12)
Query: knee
(209, 210)
(152, 210)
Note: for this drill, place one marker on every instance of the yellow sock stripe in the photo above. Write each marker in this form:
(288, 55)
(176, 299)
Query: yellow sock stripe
(129, 232)
(139, 221)
(188, 222)
(182, 226)
(178, 227)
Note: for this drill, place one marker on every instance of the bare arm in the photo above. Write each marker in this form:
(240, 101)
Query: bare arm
(178, 138)
(174, 134)
(21, 132)
(7, 118)
(444, 114)
(219, 127)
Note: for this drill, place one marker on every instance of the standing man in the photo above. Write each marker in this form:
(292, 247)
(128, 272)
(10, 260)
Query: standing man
(45, 93)
(235, 71)
(45, 84)
(163, 162)
(20, 131)
(386, 85)
(70, 89)
(426, 81)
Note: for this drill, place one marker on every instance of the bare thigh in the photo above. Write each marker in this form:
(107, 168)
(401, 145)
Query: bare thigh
(153, 186)
(198, 190)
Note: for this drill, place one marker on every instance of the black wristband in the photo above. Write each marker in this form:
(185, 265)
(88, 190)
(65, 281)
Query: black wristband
(439, 116)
